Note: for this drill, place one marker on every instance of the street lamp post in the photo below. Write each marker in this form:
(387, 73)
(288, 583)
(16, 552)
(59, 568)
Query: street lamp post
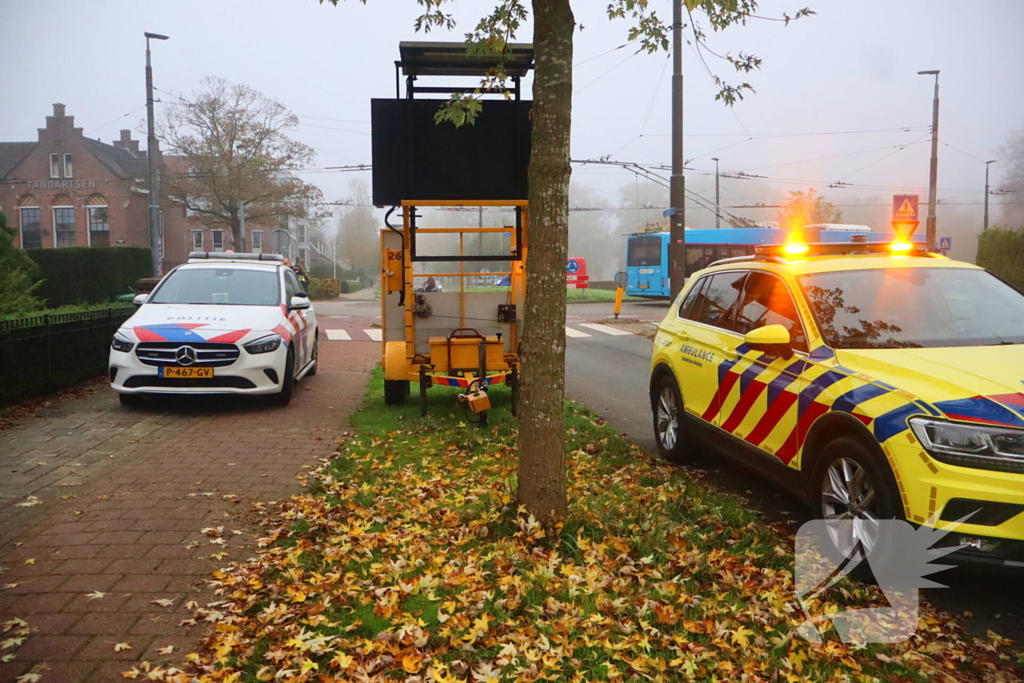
(153, 180)
(934, 174)
(677, 183)
(984, 225)
(718, 197)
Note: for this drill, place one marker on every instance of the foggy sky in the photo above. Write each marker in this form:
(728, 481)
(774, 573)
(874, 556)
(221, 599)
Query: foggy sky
(852, 67)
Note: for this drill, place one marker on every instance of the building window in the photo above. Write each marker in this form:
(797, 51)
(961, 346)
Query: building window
(257, 241)
(99, 226)
(55, 165)
(300, 231)
(31, 228)
(218, 240)
(67, 165)
(197, 240)
(304, 256)
(64, 226)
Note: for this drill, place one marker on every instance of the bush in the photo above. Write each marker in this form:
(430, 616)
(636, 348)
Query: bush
(74, 275)
(349, 286)
(17, 275)
(324, 288)
(1001, 251)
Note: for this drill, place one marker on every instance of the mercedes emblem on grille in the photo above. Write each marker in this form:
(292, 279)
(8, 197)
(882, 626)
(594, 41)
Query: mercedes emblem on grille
(185, 355)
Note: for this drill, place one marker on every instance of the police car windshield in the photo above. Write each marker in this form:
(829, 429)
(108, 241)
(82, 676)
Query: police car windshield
(220, 286)
(892, 308)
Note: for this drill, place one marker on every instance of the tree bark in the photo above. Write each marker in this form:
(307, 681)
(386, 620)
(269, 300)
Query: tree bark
(542, 476)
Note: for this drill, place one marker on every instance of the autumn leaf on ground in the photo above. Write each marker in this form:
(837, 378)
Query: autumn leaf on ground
(163, 602)
(122, 646)
(165, 650)
(29, 678)
(31, 501)
(95, 595)
(30, 560)
(131, 673)
(11, 642)
(8, 586)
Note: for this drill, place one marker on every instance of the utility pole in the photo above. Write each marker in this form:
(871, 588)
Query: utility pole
(677, 183)
(987, 164)
(718, 197)
(933, 176)
(153, 175)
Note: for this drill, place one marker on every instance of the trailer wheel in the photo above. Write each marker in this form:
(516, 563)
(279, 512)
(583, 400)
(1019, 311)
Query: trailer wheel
(395, 391)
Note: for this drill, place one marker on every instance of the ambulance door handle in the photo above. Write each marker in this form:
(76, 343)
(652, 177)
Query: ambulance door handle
(682, 336)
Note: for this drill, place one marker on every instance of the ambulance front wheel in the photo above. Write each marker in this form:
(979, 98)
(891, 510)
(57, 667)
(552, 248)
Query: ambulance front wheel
(395, 391)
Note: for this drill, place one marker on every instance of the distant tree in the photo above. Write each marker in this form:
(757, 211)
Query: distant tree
(233, 146)
(17, 275)
(1011, 170)
(807, 208)
(358, 243)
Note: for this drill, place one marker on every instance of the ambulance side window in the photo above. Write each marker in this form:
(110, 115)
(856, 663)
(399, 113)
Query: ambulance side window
(686, 308)
(717, 298)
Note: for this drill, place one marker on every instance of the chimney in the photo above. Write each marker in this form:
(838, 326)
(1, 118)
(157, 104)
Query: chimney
(126, 142)
(58, 110)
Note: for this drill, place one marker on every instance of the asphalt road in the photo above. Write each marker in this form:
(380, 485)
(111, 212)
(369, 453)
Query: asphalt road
(610, 375)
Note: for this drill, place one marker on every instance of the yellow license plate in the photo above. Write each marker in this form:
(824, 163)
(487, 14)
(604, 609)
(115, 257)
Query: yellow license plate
(186, 373)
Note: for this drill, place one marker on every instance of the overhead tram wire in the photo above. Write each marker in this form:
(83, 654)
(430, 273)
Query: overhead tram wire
(654, 99)
(115, 120)
(577, 92)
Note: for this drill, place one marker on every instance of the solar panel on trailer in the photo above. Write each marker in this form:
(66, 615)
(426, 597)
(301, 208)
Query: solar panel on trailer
(416, 158)
(453, 59)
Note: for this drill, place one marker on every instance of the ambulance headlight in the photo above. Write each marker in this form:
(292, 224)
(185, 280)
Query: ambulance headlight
(978, 446)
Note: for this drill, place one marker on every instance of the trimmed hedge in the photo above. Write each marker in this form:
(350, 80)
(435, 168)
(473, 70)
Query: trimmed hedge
(1001, 251)
(324, 288)
(73, 275)
(349, 286)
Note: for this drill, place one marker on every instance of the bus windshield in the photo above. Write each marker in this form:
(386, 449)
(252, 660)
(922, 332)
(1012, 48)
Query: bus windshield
(644, 251)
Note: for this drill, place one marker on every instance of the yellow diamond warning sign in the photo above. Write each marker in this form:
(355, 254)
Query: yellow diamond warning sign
(904, 207)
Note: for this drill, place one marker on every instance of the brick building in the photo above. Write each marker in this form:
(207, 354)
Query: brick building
(67, 190)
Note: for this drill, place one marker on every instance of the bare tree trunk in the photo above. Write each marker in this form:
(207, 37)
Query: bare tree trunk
(542, 478)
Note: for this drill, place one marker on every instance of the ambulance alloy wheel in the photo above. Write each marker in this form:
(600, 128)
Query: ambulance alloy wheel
(669, 430)
(856, 486)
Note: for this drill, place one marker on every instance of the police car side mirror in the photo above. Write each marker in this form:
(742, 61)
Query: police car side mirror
(772, 340)
(140, 299)
(298, 303)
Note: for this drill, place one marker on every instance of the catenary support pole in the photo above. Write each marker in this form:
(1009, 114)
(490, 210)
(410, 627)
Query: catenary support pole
(677, 183)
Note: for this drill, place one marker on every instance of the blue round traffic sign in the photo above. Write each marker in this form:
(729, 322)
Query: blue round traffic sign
(572, 266)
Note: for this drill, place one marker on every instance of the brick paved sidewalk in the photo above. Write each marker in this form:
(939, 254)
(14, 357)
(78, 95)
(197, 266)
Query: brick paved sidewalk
(125, 494)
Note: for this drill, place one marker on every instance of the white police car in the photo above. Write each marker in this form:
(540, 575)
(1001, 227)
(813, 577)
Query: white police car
(221, 323)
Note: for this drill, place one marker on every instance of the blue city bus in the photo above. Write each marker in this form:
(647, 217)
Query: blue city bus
(647, 272)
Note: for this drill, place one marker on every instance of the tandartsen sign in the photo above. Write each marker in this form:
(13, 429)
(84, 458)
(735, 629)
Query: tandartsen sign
(62, 184)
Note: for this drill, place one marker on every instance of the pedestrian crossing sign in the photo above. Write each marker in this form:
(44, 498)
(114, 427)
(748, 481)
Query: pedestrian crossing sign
(904, 207)
(904, 214)
(945, 243)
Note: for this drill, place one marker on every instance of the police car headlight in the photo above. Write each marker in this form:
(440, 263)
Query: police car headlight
(120, 343)
(264, 344)
(981, 447)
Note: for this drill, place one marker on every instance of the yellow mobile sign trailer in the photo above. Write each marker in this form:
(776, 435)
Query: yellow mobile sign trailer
(461, 338)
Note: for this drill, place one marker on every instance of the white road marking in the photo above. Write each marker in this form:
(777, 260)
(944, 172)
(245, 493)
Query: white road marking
(607, 329)
(374, 334)
(569, 332)
(338, 335)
